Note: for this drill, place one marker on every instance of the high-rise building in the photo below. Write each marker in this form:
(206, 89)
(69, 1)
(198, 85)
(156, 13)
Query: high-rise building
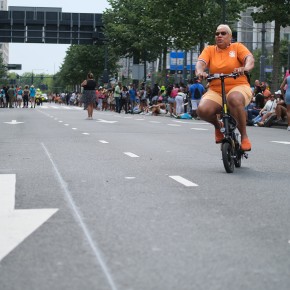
(4, 47)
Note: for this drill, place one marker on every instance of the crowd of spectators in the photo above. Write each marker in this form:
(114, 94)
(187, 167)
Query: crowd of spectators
(266, 108)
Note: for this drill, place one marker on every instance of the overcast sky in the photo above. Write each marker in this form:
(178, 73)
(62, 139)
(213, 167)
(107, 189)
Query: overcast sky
(47, 58)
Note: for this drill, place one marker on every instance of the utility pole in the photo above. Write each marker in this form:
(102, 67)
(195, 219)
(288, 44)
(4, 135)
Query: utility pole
(185, 67)
(288, 57)
(262, 57)
(105, 73)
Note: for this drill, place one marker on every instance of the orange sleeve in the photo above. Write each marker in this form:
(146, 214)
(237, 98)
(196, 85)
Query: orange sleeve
(205, 55)
(243, 52)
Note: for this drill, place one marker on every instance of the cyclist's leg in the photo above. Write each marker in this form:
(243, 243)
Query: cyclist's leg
(209, 107)
(238, 98)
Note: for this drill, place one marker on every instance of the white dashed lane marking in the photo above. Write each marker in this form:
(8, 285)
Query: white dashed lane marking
(86, 133)
(199, 129)
(105, 121)
(130, 154)
(183, 181)
(103, 141)
(281, 142)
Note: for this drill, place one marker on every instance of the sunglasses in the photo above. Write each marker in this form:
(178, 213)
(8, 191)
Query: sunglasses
(223, 33)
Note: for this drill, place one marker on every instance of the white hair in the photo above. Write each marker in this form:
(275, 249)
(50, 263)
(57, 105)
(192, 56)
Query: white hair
(226, 28)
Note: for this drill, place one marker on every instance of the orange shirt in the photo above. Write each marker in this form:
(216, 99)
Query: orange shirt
(225, 61)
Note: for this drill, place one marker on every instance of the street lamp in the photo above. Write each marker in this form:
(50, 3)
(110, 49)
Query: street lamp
(32, 76)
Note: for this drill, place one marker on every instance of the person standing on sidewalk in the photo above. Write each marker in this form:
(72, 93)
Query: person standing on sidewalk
(25, 96)
(286, 93)
(117, 96)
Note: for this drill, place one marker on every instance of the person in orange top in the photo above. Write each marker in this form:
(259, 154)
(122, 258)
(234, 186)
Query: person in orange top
(226, 57)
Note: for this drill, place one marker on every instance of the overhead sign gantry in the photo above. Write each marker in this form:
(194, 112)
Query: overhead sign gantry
(49, 25)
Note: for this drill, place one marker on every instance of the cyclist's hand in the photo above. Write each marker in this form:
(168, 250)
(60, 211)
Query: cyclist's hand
(239, 70)
(202, 75)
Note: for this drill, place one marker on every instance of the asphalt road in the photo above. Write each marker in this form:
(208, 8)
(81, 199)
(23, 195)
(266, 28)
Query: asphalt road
(140, 203)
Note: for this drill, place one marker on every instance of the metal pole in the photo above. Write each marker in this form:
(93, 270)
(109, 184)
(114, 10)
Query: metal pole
(105, 74)
(185, 67)
(191, 71)
(262, 58)
(176, 60)
(288, 57)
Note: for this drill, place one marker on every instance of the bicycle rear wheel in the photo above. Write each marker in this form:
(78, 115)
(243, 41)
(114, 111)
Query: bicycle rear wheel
(228, 158)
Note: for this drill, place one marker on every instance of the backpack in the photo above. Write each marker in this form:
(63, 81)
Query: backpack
(197, 94)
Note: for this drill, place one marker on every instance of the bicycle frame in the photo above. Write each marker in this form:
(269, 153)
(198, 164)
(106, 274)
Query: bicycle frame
(227, 118)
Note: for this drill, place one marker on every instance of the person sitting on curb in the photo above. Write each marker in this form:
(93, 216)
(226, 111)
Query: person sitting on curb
(281, 110)
(158, 109)
(268, 110)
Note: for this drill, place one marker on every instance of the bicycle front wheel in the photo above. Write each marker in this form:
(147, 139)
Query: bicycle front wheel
(228, 158)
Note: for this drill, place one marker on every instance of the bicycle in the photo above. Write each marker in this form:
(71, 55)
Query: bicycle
(231, 145)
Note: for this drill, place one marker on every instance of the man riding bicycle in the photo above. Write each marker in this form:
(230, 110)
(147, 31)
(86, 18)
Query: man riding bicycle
(226, 57)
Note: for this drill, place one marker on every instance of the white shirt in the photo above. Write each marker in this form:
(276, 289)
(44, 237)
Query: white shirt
(270, 106)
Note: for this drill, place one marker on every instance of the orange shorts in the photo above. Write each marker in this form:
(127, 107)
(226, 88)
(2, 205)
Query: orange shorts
(245, 90)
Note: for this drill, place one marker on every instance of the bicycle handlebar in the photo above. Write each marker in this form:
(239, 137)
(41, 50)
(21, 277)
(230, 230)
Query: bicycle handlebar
(220, 76)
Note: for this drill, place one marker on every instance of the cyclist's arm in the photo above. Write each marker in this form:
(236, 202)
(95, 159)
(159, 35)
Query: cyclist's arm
(249, 63)
(200, 67)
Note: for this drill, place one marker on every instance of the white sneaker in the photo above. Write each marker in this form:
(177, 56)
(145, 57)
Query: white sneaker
(288, 128)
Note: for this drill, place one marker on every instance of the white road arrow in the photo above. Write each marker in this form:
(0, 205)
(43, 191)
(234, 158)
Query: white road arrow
(13, 122)
(16, 225)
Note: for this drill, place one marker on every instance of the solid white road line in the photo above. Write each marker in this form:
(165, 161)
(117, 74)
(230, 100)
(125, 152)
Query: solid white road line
(79, 219)
(183, 180)
(130, 154)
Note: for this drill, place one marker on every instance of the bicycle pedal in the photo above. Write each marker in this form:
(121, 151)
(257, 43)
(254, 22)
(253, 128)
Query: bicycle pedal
(246, 155)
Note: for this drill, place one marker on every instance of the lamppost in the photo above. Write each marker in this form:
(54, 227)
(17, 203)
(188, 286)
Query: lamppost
(262, 57)
(32, 75)
(288, 57)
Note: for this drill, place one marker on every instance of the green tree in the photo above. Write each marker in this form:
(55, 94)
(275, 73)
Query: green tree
(279, 12)
(81, 59)
(147, 28)
(284, 53)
